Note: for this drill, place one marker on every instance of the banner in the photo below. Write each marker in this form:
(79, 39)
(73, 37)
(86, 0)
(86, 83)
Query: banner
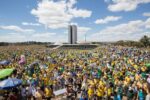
(59, 92)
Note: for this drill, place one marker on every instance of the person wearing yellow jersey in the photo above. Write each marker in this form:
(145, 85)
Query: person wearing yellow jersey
(109, 92)
(137, 77)
(50, 82)
(116, 81)
(143, 69)
(38, 95)
(46, 80)
(101, 83)
(99, 93)
(48, 93)
(135, 66)
(128, 79)
(90, 92)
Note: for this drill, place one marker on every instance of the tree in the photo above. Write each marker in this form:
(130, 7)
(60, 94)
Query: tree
(145, 40)
(121, 42)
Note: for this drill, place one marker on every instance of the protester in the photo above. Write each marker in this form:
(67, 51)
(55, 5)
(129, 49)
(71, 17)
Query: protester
(107, 72)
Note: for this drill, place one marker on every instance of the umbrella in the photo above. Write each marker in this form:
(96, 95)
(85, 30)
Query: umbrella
(4, 62)
(5, 72)
(10, 83)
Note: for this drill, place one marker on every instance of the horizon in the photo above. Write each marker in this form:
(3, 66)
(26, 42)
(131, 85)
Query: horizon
(99, 20)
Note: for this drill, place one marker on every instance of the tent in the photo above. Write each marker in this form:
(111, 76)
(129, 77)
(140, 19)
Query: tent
(147, 65)
(10, 83)
(5, 72)
(4, 62)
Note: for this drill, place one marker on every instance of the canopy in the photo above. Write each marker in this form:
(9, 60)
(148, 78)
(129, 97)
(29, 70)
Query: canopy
(10, 83)
(5, 72)
(4, 62)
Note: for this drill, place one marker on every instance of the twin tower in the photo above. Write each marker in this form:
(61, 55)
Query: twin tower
(72, 34)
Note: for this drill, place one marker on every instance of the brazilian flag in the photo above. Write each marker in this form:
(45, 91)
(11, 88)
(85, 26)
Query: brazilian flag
(99, 73)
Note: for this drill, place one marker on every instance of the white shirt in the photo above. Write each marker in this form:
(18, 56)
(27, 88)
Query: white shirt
(148, 97)
(33, 91)
(148, 80)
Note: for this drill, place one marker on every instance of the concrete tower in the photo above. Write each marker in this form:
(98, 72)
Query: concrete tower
(72, 34)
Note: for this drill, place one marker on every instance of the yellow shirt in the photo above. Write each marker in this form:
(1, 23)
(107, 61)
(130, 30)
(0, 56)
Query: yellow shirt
(135, 66)
(48, 92)
(137, 77)
(128, 79)
(143, 69)
(90, 92)
(38, 96)
(50, 82)
(100, 92)
(46, 81)
(109, 91)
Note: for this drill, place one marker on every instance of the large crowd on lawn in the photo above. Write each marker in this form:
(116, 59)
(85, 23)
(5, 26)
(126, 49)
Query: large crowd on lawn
(104, 73)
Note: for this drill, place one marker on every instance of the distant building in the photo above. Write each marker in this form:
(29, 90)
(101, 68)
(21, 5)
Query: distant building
(72, 34)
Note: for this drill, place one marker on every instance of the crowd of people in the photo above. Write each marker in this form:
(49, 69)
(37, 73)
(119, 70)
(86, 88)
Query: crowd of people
(104, 73)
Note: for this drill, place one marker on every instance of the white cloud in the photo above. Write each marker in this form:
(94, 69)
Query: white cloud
(83, 30)
(131, 30)
(57, 14)
(80, 13)
(16, 28)
(30, 24)
(12, 37)
(48, 37)
(81, 33)
(107, 19)
(147, 14)
(131, 27)
(73, 23)
(147, 23)
(71, 3)
(125, 5)
(43, 35)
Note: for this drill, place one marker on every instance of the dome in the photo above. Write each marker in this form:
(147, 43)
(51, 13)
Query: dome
(58, 43)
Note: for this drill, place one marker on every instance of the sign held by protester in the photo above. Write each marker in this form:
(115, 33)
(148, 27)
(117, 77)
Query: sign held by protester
(59, 92)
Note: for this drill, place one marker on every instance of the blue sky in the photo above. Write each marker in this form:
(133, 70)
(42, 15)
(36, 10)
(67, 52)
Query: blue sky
(47, 20)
